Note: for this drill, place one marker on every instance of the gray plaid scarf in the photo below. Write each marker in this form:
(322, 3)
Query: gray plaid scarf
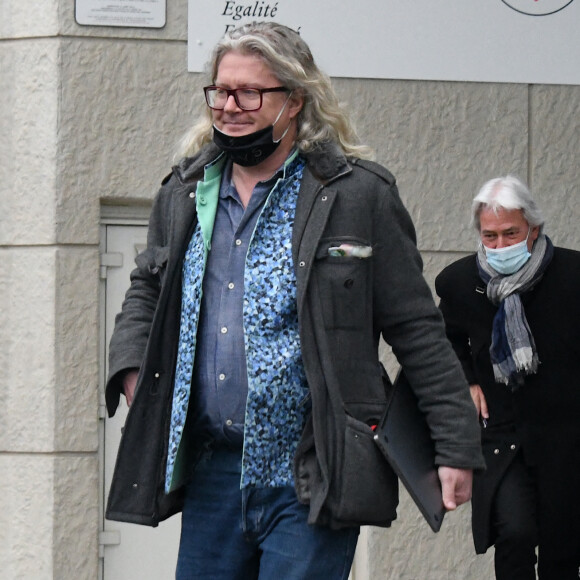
(513, 350)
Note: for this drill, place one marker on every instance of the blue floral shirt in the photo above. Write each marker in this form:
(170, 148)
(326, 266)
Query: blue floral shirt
(277, 392)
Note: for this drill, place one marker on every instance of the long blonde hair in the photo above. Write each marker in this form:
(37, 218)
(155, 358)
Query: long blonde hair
(321, 119)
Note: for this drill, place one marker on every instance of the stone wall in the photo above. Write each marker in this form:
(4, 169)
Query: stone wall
(92, 116)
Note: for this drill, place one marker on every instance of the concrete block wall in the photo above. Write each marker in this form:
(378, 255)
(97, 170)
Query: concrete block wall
(92, 116)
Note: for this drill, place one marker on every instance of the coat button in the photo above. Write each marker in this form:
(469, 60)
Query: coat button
(512, 446)
(349, 283)
(192, 194)
(496, 451)
(302, 264)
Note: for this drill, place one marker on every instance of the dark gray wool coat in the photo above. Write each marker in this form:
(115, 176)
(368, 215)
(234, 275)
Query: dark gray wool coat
(345, 304)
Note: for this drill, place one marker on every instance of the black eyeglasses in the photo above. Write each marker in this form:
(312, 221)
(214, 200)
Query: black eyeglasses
(247, 99)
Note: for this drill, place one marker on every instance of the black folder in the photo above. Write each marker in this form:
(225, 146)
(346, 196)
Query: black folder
(404, 438)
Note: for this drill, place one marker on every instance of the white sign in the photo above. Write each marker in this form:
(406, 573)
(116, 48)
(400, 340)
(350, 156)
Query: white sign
(129, 13)
(512, 41)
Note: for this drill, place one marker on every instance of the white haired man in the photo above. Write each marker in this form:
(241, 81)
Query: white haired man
(512, 314)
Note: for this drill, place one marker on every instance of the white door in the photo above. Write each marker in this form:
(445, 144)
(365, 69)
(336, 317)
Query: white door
(129, 551)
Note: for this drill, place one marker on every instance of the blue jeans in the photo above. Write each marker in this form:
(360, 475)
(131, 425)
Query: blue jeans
(231, 534)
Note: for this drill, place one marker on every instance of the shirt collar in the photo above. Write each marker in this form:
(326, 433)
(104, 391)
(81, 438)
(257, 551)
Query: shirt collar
(228, 189)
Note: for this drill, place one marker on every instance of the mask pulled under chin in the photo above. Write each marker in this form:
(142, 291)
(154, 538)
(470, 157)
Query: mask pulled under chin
(247, 150)
(252, 149)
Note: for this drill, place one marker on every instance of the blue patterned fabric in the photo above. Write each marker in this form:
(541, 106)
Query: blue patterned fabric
(194, 264)
(277, 390)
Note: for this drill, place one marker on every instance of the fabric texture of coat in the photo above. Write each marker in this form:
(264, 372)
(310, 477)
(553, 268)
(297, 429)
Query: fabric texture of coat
(344, 305)
(541, 419)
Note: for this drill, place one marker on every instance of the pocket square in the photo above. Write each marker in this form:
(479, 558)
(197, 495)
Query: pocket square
(350, 250)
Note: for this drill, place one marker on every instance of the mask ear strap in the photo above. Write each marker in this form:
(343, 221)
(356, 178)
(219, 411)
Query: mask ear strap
(278, 117)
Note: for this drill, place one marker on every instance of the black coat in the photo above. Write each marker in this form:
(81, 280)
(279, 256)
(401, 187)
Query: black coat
(543, 416)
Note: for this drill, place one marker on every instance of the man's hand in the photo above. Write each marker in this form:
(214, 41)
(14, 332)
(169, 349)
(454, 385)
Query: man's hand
(479, 401)
(129, 384)
(455, 486)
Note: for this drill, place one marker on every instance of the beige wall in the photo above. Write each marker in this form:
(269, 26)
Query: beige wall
(91, 115)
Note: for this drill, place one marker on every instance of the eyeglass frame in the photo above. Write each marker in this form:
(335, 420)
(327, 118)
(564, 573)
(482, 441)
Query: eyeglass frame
(234, 93)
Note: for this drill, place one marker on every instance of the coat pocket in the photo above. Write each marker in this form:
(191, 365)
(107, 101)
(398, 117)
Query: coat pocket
(343, 284)
(369, 491)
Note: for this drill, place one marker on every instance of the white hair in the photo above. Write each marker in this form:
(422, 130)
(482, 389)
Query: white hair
(506, 193)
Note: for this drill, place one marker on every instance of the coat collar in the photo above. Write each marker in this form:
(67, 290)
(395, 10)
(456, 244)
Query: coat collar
(192, 168)
(327, 162)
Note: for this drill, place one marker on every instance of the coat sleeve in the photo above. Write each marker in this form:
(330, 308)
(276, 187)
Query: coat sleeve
(133, 323)
(412, 324)
(458, 336)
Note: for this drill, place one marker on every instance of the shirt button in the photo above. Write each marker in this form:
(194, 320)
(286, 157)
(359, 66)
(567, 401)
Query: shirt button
(496, 451)
(231, 285)
(224, 329)
(229, 422)
(512, 446)
(222, 377)
(238, 242)
(192, 194)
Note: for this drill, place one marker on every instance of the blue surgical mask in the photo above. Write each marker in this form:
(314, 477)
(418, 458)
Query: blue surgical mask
(510, 259)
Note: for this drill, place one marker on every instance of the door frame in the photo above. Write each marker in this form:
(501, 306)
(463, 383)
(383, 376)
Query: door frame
(111, 215)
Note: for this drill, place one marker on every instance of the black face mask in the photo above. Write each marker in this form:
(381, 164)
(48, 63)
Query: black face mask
(250, 150)
(247, 150)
